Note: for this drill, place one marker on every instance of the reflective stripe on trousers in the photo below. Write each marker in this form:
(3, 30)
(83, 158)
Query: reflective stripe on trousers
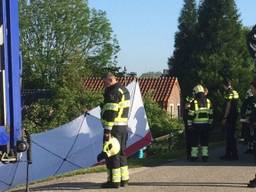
(205, 151)
(194, 152)
(124, 173)
(116, 175)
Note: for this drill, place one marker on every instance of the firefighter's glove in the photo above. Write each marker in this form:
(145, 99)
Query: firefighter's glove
(101, 156)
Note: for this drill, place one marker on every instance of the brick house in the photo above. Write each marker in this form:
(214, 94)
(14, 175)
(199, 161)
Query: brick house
(165, 90)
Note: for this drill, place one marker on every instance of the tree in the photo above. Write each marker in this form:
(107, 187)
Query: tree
(63, 42)
(56, 33)
(182, 62)
(221, 50)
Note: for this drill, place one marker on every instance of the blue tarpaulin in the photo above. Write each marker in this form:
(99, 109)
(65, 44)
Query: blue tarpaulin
(4, 138)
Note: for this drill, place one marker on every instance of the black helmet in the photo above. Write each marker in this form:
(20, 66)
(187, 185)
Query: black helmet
(251, 42)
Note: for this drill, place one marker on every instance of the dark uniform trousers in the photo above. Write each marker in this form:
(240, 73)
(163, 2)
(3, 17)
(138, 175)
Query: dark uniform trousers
(120, 132)
(199, 134)
(231, 144)
(119, 160)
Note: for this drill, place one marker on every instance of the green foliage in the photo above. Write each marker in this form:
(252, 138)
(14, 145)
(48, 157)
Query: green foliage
(210, 46)
(222, 51)
(49, 113)
(63, 42)
(57, 33)
(182, 62)
(160, 122)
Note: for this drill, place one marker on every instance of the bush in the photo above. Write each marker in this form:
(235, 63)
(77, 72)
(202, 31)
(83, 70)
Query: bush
(52, 112)
(160, 122)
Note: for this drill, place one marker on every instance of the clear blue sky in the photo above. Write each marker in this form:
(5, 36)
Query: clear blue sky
(145, 29)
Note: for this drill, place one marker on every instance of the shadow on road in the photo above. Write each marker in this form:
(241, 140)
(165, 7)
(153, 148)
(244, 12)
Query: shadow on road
(190, 184)
(75, 186)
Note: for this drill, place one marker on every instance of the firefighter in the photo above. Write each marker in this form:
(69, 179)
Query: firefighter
(114, 116)
(199, 121)
(229, 121)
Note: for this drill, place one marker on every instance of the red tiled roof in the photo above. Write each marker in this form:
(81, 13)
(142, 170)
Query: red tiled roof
(161, 87)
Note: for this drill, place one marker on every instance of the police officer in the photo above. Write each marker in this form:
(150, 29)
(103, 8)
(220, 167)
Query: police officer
(114, 116)
(200, 117)
(229, 121)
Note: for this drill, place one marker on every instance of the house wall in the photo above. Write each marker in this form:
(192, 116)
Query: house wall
(174, 102)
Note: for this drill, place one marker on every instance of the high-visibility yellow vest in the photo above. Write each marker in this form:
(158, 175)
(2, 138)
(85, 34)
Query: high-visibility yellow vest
(201, 115)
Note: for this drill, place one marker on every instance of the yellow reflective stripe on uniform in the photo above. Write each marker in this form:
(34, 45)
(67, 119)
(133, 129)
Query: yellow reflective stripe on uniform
(121, 120)
(191, 112)
(107, 123)
(111, 106)
(194, 151)
(205, 151)
(121, 91)
(235, 95)
(124, 104)
(124, 173)
(196, 105)
(201, 111)
(116, 175)
(208, 104)
(121, 109)
(201, 120)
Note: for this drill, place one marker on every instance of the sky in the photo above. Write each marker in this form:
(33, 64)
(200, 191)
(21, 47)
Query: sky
(145, 29)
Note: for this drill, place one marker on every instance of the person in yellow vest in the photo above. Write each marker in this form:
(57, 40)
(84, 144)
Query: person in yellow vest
(200, 117)
(229, 121)
(114, 116)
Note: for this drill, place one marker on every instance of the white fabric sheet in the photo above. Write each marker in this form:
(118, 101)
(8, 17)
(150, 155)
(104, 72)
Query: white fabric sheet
(72, 146)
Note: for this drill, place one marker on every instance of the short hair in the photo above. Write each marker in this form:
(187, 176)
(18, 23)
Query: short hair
(253, 83)
(108, 75)
(227, 82)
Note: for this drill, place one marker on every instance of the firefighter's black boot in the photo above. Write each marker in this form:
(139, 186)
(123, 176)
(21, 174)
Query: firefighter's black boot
(205, 158)
(252, 183)
(124, 183)
(193, 159)
(110, 185)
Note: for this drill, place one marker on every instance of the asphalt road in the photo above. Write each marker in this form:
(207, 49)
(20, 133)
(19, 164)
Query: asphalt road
(176, 176)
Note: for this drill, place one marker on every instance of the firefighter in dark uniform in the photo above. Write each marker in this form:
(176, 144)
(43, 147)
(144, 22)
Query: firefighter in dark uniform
(200, 118)
(229, 121)
(114, 114)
